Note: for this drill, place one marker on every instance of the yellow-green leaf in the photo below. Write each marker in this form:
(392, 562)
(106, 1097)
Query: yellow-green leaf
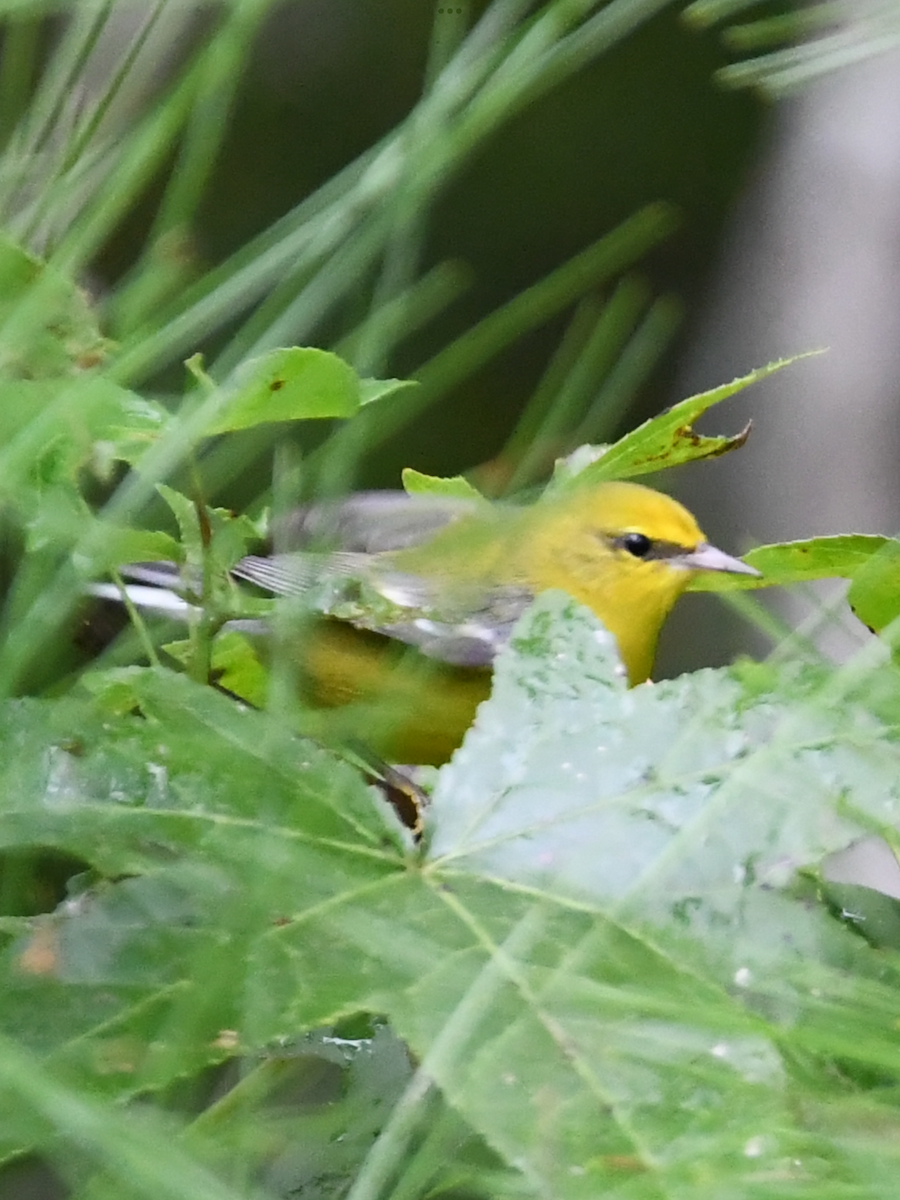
(294, 384)
(418, 484)
(670, 439)
(839, 557)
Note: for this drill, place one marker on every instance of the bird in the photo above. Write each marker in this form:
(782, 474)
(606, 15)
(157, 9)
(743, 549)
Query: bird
(401, 602)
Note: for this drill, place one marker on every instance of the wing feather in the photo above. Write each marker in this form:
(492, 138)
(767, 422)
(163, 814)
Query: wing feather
(462, 623)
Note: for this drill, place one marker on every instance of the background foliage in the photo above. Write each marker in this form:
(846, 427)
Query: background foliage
(612, 966)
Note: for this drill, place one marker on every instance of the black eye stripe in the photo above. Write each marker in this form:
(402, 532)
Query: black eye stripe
(640, 546)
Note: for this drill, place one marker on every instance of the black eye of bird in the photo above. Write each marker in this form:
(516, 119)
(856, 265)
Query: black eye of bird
(637, 544)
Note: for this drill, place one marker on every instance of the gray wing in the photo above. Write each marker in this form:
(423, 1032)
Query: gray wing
(369, 522)
(355, 582)
(463, 627)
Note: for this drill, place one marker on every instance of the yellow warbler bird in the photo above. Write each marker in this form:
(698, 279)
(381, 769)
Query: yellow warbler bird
(404, 610)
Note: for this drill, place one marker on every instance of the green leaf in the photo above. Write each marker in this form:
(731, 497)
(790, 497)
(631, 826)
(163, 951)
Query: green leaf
(601, 960)
(121, 545)
(159, 800)
(843, 556)
(418, 484)
(874, 914)
(294, 384)
(212, 535)
(371, 390)
(562, 744)
(669, 439)
(875, 592)
(61, 521)
(186, 513)
(235, 665)
(97, 740)
(48, 326)
(51, 430)
(130, 425)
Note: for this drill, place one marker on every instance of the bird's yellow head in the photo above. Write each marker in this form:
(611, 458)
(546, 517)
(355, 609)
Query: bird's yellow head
(628, 553)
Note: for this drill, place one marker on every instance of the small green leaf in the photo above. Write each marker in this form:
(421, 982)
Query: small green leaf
(48, 326)
(128, 427)
(874, 595)
(781, 564)
(294, 384)
(235, 664)
(371, 390)
(569, 468)
(188, 518)
(418, 484)
(63, 521)
(669, 439)
(53, 429)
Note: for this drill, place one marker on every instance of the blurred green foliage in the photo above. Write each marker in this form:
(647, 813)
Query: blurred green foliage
(608, 966)
(644, 123)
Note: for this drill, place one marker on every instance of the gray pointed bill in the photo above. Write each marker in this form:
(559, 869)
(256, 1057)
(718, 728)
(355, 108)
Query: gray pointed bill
(707, 558)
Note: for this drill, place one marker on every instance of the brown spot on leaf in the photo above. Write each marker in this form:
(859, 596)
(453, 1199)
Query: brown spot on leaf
(623, 1162)
(89, 358)
(41, 955)
(732, 443)
(688, 434)
(277, 384)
